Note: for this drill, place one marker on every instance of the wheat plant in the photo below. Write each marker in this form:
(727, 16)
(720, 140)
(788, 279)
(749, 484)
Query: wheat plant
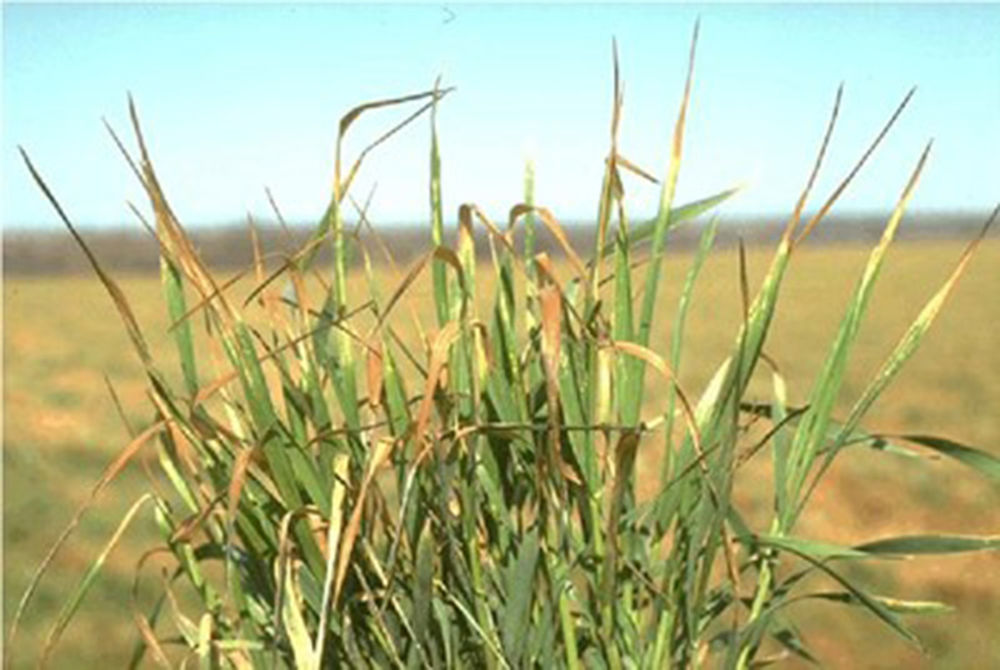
(344, 486)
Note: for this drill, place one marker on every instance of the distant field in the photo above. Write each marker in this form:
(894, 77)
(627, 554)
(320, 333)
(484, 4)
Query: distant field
(30, 252)
(62, 337)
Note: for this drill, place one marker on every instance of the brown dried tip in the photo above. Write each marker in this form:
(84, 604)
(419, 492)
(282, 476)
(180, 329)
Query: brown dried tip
(682, 116)
(857, 167)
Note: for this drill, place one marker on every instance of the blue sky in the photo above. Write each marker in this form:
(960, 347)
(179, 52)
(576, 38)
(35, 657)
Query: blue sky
(234, 98)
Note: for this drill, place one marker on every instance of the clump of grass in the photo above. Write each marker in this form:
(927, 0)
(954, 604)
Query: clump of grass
(341, 496)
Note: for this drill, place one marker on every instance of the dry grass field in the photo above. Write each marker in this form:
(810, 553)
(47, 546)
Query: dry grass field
(63, 340)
